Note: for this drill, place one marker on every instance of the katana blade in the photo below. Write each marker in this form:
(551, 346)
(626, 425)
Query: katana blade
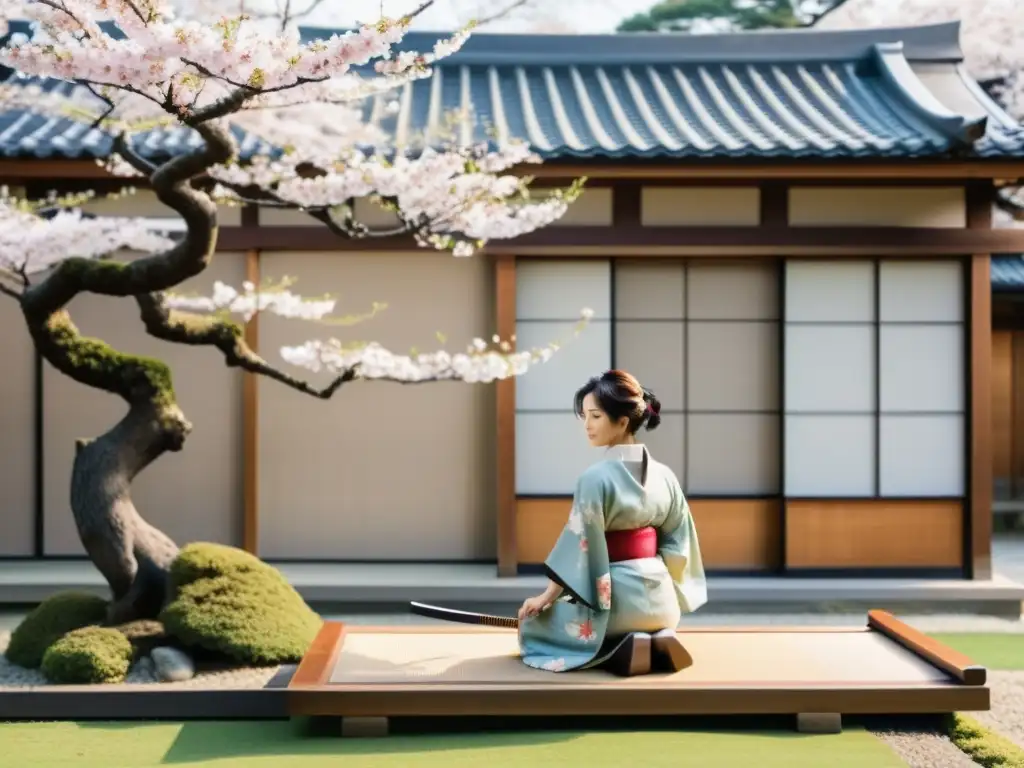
(463, 617)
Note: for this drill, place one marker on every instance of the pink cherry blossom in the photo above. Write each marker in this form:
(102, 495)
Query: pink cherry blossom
(167, 72)
(30, 244)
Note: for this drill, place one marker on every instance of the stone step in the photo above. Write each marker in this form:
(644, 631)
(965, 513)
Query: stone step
(344, 586)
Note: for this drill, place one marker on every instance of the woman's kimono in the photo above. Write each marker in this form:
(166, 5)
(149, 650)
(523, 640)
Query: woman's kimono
(602, 601)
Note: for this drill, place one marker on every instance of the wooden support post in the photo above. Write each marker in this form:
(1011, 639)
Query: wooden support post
(505, 299)
(250, 424)
(980, 454)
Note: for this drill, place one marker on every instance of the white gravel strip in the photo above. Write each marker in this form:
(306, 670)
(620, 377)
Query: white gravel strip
(1007, 714)
(926, 749)
(13, 677)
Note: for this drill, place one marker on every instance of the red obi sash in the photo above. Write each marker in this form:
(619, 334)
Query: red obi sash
(632, 545)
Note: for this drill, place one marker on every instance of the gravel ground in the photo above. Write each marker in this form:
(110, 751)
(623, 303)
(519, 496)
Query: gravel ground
(925, 749)
(13, 677)
(1007, 713)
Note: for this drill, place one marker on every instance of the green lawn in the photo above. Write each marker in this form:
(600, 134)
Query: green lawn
(994, 651)
(289, 745)
(284, 745)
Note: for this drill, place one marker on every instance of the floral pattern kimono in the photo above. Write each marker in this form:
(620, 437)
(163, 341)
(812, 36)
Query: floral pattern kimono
(601, 601)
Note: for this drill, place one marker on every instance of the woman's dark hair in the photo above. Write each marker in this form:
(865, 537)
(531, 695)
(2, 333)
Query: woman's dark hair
(619, 394)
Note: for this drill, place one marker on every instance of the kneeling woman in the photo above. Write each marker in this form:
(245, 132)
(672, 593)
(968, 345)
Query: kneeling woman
(627, 565)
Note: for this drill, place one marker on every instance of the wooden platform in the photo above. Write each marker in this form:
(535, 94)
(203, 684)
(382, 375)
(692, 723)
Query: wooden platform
(885, 667)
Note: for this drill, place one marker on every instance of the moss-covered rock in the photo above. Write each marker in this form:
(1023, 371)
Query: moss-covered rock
(89, 655)
(144, 636)
(49, 621)
(231, 603)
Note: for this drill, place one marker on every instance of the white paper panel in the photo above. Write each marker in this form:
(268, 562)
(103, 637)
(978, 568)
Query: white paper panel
(732, 291)
(830, 456)
(654, 353)
(830, 368)
(649, 290)
(921, 291)
(732, 454)
(733, 367)
(922, 456)
(830, 291)
(558, 290)
(551, 385)
(922, 368)
(551, 453)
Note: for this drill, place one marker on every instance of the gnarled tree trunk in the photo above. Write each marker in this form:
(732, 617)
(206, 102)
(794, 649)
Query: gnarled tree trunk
(133, 556)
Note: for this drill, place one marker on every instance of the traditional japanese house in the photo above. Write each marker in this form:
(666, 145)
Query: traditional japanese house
(787, 235)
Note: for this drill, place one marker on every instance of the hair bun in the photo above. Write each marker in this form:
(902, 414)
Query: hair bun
(653, 415)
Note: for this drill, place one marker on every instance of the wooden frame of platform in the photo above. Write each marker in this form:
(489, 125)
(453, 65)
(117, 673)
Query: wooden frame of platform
(934, 679)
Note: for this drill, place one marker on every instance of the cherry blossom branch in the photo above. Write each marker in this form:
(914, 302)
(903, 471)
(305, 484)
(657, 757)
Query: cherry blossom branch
(156, 272)
(225, 335)
(481, 362)
(8, 291)
(814, 18)
(37, 235)
(502, 13)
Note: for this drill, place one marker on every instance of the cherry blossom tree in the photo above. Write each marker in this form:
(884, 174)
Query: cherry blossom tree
(137, 66)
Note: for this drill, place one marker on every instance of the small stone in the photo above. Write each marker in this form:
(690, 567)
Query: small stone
(172, 665)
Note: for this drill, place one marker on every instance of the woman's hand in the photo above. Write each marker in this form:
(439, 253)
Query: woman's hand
(533, 605)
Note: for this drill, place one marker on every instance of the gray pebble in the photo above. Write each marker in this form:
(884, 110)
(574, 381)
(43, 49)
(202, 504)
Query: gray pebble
(172, 665)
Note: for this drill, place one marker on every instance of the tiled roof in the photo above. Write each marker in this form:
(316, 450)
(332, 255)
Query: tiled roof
(1007, 273)
(879, 93)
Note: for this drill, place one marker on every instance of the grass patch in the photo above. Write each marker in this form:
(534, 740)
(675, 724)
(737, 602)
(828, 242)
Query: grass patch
(283, 744)
(984, 746)
(1003, 651)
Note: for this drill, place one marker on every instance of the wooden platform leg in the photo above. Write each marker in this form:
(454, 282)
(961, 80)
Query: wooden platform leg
(364, 727)
(819, 722)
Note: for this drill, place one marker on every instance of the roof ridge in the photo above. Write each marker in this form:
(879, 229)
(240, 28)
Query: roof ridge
(929, 42)
(896, 70)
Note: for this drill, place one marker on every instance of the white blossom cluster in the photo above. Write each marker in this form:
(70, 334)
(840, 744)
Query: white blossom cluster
(250, 301)
(479, 363)
(31, 244)
(296, 96)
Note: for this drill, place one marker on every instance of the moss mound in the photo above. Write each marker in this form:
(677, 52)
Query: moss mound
(984, 746)
(49, 621)
(233, 604)
(89, 655)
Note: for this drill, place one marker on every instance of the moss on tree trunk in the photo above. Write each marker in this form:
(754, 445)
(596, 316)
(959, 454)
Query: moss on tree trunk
(133, 556)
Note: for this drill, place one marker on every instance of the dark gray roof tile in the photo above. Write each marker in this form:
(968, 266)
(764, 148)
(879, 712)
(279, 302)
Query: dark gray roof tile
(1008, 273)
(788, 94)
